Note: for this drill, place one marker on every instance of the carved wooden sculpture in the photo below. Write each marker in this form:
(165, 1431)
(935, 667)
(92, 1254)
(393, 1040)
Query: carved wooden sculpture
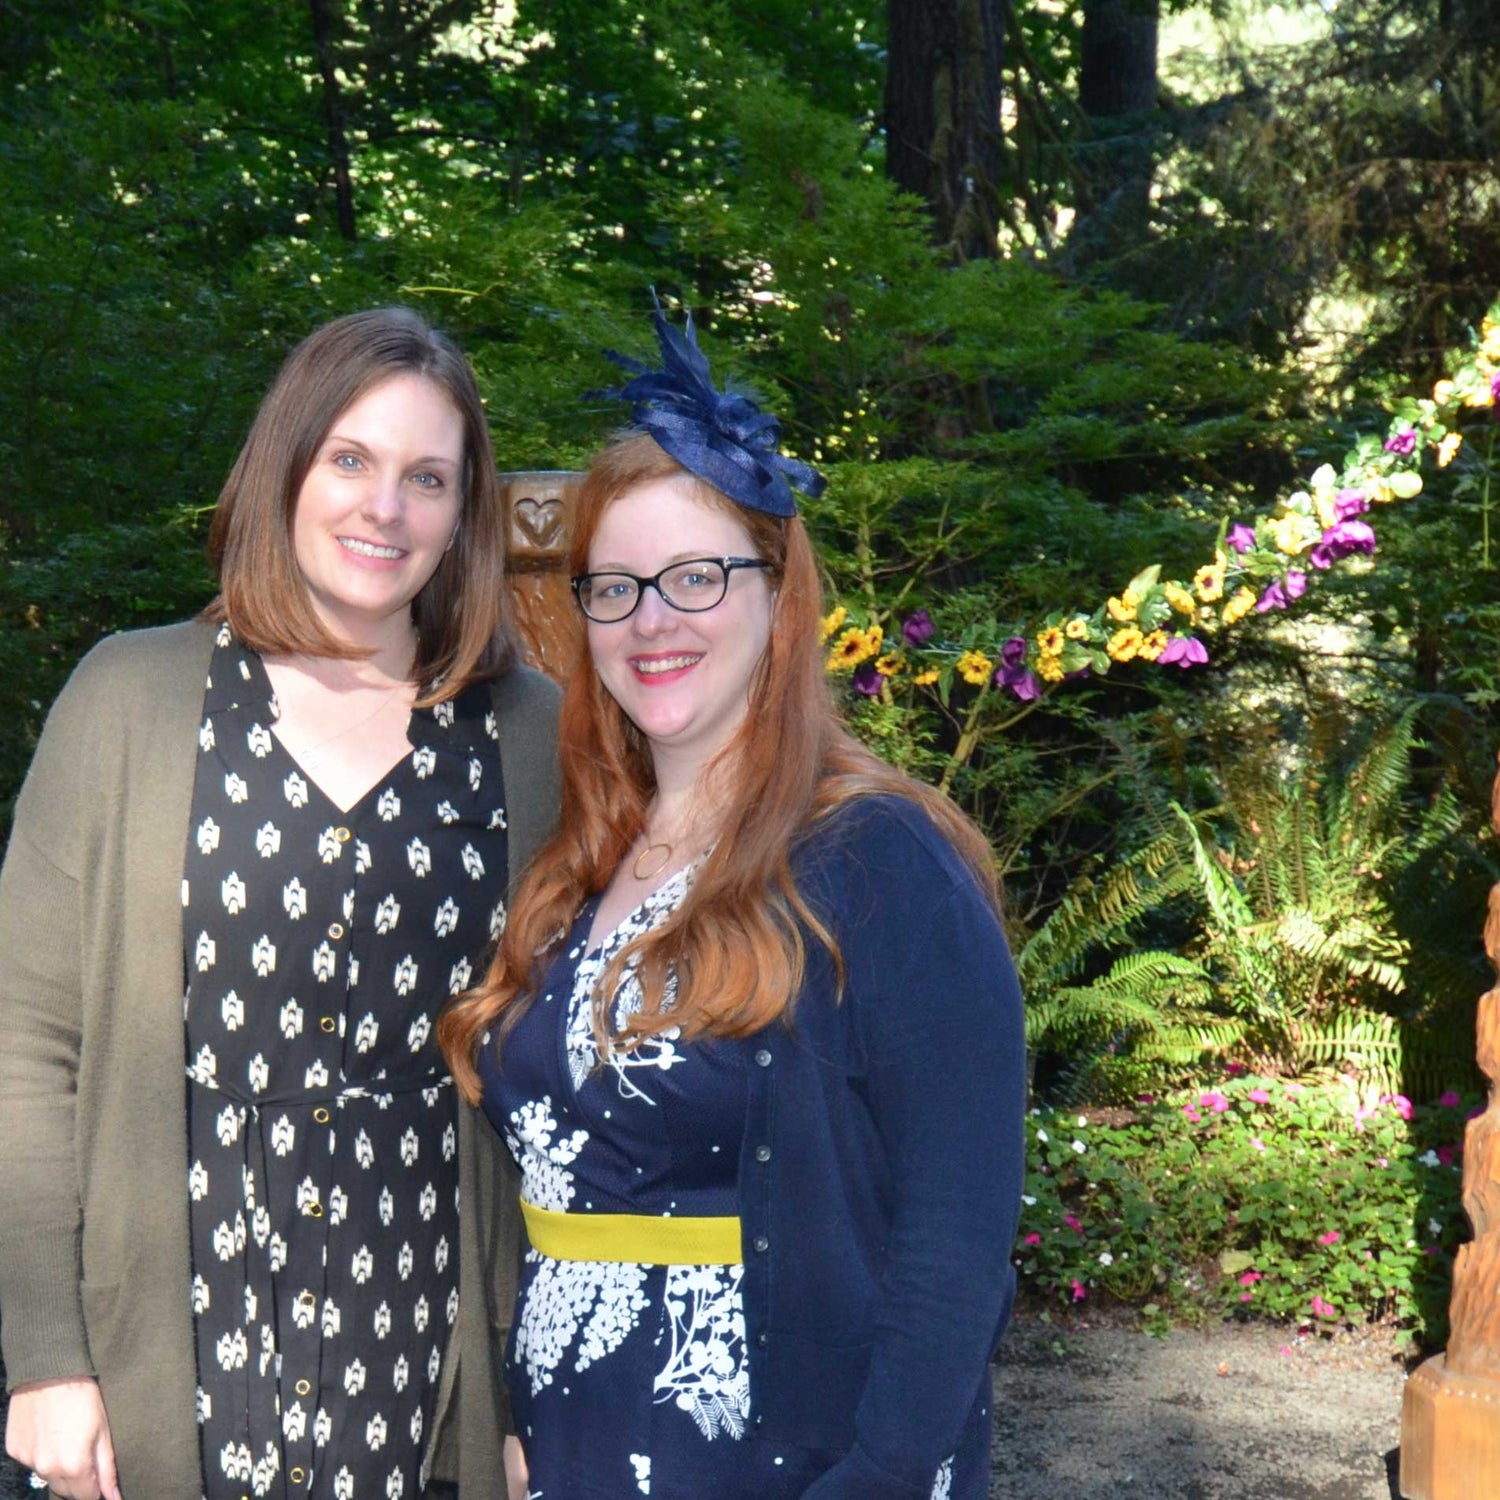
(1450, 1417)
(538, 518)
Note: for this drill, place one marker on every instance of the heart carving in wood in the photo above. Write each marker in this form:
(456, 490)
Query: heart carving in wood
(540, 522)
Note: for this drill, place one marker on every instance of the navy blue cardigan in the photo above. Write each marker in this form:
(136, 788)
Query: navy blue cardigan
(881, 1169)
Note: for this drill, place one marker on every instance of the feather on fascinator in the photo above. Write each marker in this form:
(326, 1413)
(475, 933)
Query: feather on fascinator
(723, 437)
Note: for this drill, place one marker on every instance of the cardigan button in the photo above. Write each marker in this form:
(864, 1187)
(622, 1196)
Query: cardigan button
(763, 1057)
(760, 1244)
(762, 1338)
(762, 1153)
(759, 1418)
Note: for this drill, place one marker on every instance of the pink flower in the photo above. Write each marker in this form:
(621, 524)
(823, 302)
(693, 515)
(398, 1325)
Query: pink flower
(1322, 1309)
(1032, 1239)
(1191, 1113)
(1331, 1238)
(1073, 1223)
(1256, 1142)
(1294, 1088)
(1399, 1102)
(1285, 1349)
(1079, 1290)
(1258, 1096)
(1214, 1100)
(1250, 1278)
(1448, 1099)
(1246, 1296)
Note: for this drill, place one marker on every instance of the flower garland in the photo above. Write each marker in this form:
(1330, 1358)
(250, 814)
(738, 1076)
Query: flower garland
(1257, 567)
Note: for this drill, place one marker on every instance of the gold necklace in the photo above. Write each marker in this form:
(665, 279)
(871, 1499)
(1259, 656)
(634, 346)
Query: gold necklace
(658, 867)
(314, 754)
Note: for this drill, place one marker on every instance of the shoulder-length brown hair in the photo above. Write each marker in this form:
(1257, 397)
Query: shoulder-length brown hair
(736, 942)
(462, 614)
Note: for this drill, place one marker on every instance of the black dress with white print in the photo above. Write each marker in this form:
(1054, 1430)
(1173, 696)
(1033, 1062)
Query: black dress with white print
(323, 1176)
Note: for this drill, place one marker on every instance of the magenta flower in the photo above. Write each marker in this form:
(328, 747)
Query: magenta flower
(1073, 1223)
(1399, 1102)
(1258, 1096)
(1281, 594)
(1449, 1099)
(1241, 538)
(1079, 1290)
(1445, 1154)
(1402, 442)
(1191, 1113)
(1322, 1309)
(867, 680)
(1331, 1238)
(1247, 1296)
(1234, 1069)
(1214, 1100)
(1250, 1278)
(1032, 1239)
(1495, 388)
(1013, 672)
(1340, 542)
(1183, 651)
(1350, 503)
(917, 629)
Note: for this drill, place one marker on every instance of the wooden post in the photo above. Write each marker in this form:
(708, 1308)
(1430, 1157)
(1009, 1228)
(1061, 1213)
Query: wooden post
(1450, 1414)
(538, 519)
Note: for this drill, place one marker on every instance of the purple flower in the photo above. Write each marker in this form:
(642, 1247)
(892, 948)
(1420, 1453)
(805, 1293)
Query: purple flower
(1495, 388)
(1279, 595)
(1402, 442)
(1241, 538)
(1183, 651)
(867, 680)
(918, 629)
(1013, 672)
(1340, 542)
(1349, 503)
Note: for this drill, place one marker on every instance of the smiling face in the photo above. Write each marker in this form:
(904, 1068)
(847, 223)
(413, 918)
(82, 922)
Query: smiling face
(682, 679)
(378, 506)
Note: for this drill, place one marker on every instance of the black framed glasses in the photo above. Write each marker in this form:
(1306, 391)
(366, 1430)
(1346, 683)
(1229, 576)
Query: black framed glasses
(692, 586)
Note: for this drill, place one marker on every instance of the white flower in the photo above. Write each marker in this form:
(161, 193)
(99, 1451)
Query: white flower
(1105, 1258)
(1428, 1158)
(1434, 1228)
(424, 761)
(283, 1136)
(324, 962)
(641, 1463)
(418, 1032)
(259, 1073)
(294, 898)
(208, 836)
(419, 857)
(329, 848)
(363, 1265)
(382, 1320)
(354, 1377)
(235, 789)
(1041, 1135)
(1079, 1147)
(1028, 1200)
(389, 806)
(295, 789)
(405, 977)
(204, 953)
(263, 956)
(447, 917)
(267, 840)
(232, 1009)
(259, 741)
(366, 1033)
(387, 914)
(473, 864)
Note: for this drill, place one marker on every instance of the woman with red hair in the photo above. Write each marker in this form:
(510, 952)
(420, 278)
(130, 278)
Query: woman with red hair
(752, 1033)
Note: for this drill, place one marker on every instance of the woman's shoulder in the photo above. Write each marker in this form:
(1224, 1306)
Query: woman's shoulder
(141, 667)
(884, 840)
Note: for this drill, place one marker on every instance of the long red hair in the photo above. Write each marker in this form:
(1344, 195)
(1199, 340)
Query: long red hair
(736, 943)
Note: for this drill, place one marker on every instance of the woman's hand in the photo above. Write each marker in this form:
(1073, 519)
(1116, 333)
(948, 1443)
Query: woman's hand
(517, 1475)
(58, 1428)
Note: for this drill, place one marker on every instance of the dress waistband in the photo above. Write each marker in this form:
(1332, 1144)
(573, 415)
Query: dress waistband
(638, 1239)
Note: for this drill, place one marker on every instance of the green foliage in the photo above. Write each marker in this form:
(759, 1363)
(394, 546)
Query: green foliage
(1254, 1197)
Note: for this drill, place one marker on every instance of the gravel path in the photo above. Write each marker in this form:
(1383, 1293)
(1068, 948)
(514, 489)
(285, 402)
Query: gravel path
(1219, 1413)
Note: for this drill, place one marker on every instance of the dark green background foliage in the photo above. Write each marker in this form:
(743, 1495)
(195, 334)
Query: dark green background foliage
(1152, 346)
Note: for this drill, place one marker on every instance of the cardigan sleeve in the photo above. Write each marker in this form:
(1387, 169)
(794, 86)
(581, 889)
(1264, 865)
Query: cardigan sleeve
(936, 1003)
(41, 1315)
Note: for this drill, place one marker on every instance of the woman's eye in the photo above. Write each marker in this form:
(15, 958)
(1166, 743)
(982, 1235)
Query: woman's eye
(615, 588)
(347, 461)
(694, 578)
(428, 480)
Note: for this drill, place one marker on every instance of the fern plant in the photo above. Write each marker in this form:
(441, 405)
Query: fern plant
(1297, 957)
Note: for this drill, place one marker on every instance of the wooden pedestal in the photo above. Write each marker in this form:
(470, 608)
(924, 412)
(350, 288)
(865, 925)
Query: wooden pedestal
(1450, 1435)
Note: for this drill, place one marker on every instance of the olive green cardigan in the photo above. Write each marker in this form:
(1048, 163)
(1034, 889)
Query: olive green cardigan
(95, 1268)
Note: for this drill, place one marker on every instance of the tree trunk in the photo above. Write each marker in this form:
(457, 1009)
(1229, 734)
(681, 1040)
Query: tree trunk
(1117, 92)
(333, 118)
(942, 115)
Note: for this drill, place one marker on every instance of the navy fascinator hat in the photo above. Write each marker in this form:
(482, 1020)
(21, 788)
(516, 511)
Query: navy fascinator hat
(722, 437)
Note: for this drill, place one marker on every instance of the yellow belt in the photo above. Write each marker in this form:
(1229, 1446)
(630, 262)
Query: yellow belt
(640, 1239)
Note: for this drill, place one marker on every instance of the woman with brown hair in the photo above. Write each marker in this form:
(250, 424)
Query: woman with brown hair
(246, 1231)
(752, 1033)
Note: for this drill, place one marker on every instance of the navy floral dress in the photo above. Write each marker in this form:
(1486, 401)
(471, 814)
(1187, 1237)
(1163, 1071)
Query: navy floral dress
(323, 1172)
(632, 1379)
